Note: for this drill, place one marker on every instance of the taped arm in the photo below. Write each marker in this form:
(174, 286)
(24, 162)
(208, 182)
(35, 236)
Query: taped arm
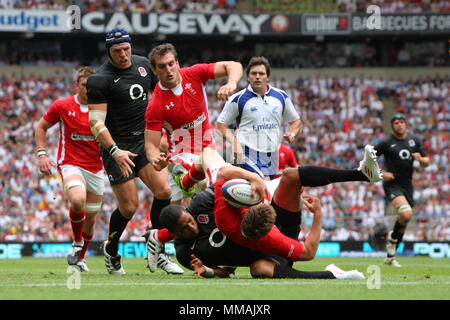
(97, 116)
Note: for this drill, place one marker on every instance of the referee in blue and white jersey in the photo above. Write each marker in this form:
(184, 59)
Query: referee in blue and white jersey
(257, 113)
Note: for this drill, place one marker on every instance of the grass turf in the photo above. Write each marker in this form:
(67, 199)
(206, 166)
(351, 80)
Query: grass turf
(420, 278)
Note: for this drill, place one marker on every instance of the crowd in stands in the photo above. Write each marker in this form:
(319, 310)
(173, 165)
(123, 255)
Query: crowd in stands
(340, 116)
(350, 6)
(230, 6)
(140, 6)
(291, 55)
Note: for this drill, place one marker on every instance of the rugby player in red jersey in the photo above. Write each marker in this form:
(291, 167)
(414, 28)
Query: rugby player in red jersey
(78, 163)
(179, 105)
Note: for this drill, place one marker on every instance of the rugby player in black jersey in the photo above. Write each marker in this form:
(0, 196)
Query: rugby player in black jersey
(400, 150)
(117, 100)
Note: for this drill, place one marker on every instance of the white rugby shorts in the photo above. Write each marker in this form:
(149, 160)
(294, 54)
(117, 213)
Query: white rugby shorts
(94, 182)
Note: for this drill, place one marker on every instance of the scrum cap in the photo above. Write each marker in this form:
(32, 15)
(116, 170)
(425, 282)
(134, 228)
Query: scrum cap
(116, 36)
(398, 116)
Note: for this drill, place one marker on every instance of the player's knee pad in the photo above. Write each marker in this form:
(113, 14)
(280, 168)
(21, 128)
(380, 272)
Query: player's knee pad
(93, 207)
(74, 183)
(403, 208)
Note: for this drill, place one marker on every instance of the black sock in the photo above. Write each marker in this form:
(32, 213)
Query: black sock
(288, 272)
(399, 231)
(313, 176)
(157, 207)
(117, 225)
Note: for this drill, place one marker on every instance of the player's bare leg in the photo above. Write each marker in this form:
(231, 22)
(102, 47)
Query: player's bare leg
(92, 208)
(404, 215)
(74, 187)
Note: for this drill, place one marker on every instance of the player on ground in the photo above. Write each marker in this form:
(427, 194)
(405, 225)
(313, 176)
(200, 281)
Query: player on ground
(78, 163)
(117, 97)
(202, 247)
(285, 201)
(400, 150)
(286, 159)
(258, 112)
(179, 105)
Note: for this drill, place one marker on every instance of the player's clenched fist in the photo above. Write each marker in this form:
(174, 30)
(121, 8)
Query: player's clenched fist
(226, 91)
(312, 203)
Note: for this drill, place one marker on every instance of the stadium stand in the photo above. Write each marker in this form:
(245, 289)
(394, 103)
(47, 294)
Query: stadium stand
(341, 114)
(387, 6)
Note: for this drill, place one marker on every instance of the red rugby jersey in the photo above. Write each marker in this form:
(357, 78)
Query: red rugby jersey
(77, 145)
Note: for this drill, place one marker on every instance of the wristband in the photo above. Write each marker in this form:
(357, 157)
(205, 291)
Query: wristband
(112, 149)
(209, 273)
(40, 152)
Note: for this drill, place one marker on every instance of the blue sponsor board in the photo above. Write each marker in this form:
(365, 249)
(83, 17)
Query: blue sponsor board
(15, 250)
(328, 249)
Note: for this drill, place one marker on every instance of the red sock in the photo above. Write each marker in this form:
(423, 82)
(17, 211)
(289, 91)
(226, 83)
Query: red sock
(87, 241)
(194, 175)
(164, 235)
(76, 220)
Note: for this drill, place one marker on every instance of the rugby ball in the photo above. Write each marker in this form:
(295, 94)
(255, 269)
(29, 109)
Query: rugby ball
(238, 193)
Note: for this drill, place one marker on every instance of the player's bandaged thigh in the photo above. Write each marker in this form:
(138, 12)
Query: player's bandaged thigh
(93, 207)
(213, 170)
(69, 171)
(73, 183)
(402, 208)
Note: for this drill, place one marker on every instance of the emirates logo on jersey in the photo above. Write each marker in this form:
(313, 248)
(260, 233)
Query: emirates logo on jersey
(142, 71)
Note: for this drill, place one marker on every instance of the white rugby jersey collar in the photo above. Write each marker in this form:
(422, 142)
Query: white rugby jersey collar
(178, 90)
(83, 107)
(269, 87)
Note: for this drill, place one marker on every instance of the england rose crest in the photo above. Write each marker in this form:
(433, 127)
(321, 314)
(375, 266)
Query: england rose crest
(142, 71)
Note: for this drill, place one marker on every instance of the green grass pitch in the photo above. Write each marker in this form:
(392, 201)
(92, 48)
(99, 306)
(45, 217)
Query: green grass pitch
(420, 278)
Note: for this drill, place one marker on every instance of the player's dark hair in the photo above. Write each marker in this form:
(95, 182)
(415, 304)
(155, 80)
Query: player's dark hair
(160, 51)
(84, 72)
(258, 221)
(258, 61)
(170, 215)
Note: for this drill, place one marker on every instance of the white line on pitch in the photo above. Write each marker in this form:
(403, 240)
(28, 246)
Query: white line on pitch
(230, 283)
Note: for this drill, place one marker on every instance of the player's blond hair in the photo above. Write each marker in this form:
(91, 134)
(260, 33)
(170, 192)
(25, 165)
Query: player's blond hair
(83, 72)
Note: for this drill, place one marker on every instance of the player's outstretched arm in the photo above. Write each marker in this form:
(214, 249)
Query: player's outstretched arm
(232, 70)
(157, 158)
(312, 242)
(294, 128)
(45, 163)
(200, 270)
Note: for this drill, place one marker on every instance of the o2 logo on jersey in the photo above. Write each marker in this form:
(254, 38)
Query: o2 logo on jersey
(212, 241)
(404, 154)
(137, 92)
